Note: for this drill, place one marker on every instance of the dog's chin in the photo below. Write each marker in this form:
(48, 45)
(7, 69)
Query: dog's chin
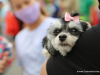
(63, 48)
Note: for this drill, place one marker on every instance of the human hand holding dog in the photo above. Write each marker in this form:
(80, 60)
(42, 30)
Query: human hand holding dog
(87, 23)
(3, 62)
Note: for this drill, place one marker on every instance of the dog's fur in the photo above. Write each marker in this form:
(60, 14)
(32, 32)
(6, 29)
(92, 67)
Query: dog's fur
(62, 36)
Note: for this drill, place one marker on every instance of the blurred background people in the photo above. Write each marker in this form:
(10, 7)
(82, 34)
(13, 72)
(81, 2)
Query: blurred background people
(28, 42)
(95, 14)
(69, 6)
(3, 10)
(84, 6)
(6, 57)
(11, 25)
(52, 8)
(4, 52)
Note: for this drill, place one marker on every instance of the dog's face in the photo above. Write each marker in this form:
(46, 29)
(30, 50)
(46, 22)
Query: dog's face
(62, 35)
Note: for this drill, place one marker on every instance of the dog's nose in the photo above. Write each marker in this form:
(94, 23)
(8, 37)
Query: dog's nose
(62, 38)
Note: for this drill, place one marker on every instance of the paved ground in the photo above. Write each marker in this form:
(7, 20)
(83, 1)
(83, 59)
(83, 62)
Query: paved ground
(14, 70)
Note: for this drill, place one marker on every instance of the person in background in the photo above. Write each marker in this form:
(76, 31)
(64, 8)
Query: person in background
(3, 10)
(28, 42)
(85, 9)
(68, 6)
(6, 57)
(55, 9)
(95, 16)
(13, 26)
(5, 60)
(51, 5)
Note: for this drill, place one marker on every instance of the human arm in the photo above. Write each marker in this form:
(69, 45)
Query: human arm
(43, 69)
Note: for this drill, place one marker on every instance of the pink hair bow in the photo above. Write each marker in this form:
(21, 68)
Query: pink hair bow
(69, 18)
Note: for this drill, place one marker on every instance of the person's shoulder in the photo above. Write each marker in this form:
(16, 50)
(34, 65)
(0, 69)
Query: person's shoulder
(21, 34)
(48, 22)
(96, 27)
(51, 19)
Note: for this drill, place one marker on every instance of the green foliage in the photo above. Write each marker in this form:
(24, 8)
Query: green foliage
(46, 1)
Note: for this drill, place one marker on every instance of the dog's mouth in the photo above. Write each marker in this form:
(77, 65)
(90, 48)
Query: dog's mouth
(65, 45)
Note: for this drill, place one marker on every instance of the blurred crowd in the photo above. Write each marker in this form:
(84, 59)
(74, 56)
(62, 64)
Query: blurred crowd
(10, 26)
(54, 8)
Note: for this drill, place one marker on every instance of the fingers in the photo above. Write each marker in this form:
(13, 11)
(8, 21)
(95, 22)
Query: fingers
(3, 62)
(81, 20)
(89, 24)
(3, 65)
(2, 71)
(5, 58)
(6, 53)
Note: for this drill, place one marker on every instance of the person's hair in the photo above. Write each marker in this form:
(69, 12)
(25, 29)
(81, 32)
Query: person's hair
(43, 11)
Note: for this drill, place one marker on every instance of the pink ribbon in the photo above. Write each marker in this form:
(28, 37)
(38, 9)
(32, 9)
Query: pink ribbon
(69, 18)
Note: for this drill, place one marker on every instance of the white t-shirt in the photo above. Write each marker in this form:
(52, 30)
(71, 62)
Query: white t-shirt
(29, 48)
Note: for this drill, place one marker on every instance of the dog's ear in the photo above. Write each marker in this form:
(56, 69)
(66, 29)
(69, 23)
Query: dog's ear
(44, 42)
(48, 46)
(63, 20)
(84, 26)
(74, 14)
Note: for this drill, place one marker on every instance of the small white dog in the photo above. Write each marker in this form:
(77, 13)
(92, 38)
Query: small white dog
(63, 34)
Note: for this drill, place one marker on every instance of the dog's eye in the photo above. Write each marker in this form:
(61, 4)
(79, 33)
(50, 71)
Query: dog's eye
(74, 30)
(57, 31)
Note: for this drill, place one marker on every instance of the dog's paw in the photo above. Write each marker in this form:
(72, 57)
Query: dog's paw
(46, 53)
